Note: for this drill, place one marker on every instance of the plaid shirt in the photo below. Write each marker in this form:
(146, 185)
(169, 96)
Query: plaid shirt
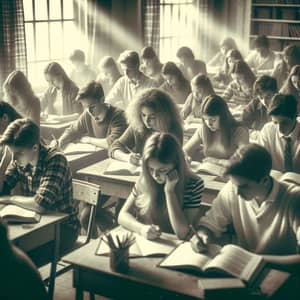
(49, 182)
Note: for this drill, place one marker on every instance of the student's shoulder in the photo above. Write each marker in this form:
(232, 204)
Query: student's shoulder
(54, 156)
(269, 128)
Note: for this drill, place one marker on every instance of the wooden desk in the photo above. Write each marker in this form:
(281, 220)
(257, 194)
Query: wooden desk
(35, 235)
(121, 186)
(80, 161)
(144, 280)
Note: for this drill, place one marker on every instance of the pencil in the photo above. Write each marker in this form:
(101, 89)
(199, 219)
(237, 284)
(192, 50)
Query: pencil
(198, 237)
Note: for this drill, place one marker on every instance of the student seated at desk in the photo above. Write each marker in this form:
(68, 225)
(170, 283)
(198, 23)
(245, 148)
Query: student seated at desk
(290, 58)
(82, 74)
(281, 137)
(19, 277)
(190, 66)
(151, 65)
(201, 88)
(264, 212)
(153, 110)
(255, 114)
(59, 98)
(239, 89)
(19, 94)
(219, 134)
(133, 81)
(109, 73)
(100, 123)
(261, 58)
(223, 78)
(218, 60)
(167, 196)
(292, 85)
(175, 83)
(44, 176)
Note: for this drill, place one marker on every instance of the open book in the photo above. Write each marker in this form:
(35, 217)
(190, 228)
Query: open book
(15, 214)
(230, 259)
(208, 167)
(142, 247)
(116, 167)
(79, 148)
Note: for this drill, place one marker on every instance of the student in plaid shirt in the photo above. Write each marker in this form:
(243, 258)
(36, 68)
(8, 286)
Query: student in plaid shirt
(43, 174)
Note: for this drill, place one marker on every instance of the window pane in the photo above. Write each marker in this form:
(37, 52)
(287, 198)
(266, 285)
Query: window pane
(72, 38)
(42, 41)
(28, 14)
(68, 9)
(55, 9)
(29, 41)
(41, 10)
(56, 40)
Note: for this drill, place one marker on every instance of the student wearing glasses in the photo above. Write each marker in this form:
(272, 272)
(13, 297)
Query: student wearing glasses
(99, 124)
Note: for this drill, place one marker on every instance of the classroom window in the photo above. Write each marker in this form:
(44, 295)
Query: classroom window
(51, 35)
(177, 27)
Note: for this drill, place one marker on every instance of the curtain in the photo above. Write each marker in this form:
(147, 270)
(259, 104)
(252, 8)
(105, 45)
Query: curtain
(151, 24)
(12, 38)
(92, 19)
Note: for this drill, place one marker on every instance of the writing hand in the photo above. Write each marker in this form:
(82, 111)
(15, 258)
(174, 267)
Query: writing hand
(150, 232)
(135, 159)
(200, 241)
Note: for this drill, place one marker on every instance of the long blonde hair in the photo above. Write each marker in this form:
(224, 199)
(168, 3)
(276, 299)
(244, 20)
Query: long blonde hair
(165, 109)
(165, 148)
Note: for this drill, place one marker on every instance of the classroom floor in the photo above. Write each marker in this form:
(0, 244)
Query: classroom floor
(65, 291)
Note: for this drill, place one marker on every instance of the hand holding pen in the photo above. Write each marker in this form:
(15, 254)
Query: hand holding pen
(199, 241)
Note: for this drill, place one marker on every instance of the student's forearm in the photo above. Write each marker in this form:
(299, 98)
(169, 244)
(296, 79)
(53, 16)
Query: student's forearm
(285, 262)
(126, 220)
(177, 218)
(120, 155)
(26, 202)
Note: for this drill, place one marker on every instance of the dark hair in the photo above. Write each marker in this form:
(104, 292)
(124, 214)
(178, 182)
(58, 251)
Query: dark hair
(129, 57)
(293, 52)
(55, 69)
(234, 54)
(261, 41)
(77, 55)
(229, 43)
(241, 67)
(214, 105)
(171, 68)
(288, 87)
(203, 81)
(185, 52)
(6, 108)
(250, 161)
(265, 83)
(283, 105)
(21, 133)
(148, 53)
(93, 90)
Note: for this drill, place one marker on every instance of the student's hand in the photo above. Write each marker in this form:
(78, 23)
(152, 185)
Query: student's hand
(85, 140)
(171, 181)
(211, 160)
(55, 144)
(135, 159)
(150, 232)
(200, 246)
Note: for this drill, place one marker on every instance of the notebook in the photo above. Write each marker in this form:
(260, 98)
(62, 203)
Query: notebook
(79, 148)
(142, 247)
(230, 259)
(208, 167)
(116, 167)
(15, 214)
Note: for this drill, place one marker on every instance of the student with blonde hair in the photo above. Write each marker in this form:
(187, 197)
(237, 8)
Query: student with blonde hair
(167, 196)
(19, 94)
(201, 88)
(152, 111)
(219, 134)
(175, 83)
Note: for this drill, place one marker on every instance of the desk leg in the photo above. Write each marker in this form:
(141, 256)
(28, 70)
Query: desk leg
(79, 294)
(56, 257)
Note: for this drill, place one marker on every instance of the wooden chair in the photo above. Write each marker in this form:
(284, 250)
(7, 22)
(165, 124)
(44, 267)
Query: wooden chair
(87, 193)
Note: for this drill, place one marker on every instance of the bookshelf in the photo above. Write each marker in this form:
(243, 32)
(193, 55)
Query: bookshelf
(278, 19)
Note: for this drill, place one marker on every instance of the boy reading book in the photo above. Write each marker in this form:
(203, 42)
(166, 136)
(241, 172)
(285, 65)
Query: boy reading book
(44, 177)
(264, 213)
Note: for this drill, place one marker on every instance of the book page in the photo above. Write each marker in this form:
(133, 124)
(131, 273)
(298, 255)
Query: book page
(13, 210)
(236, 261)
(209, 168)
(76, 148)
(116, 167)
(184, 256)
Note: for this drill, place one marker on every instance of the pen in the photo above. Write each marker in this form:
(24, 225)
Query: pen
(198, 237)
